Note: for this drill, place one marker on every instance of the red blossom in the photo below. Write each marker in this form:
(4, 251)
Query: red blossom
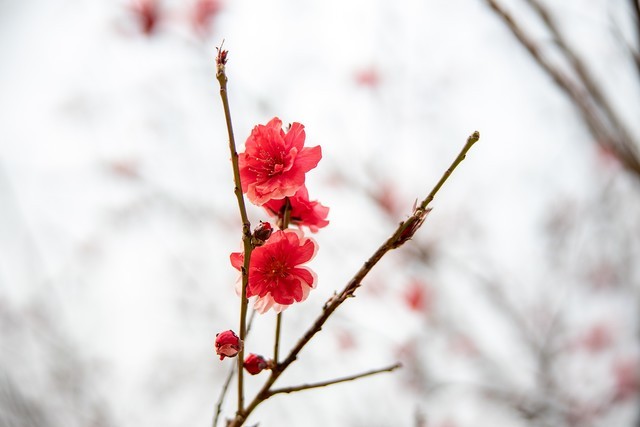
(369, 77)
(304, 212)
(254, 364)
(276, 272)
(418, 296)
(463, 345)
(125, 168)
(274, 163)
(626, 373)
(228, 344)
(598, 338)
(204, 11)
(346, 340)
(148, 14)
(387, 199)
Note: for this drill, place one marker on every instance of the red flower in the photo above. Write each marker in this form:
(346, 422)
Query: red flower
(303, 211)
(254, 364)
(418, 296)
(369, 77)
(276, 274)
(148, 14)
(274, 163)
(626, 373)
(203, 14)
(228, 344)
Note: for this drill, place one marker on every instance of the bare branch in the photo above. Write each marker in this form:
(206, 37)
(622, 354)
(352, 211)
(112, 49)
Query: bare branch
(335, 381)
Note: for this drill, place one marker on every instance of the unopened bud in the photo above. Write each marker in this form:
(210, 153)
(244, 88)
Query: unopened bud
(254, 364)
(262, 233)
(228, 344)
(411, 225)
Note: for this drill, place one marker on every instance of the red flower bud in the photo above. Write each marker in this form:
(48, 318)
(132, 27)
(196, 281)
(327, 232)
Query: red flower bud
(254, 364)
(228, 344)
(411, 225)
(262, 233)
(148, 14)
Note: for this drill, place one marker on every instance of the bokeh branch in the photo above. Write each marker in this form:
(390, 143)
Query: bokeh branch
(604, 123)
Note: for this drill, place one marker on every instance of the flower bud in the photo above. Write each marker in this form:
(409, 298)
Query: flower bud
(228, 344)
(411, 225)
(254, 364)
(261, 233)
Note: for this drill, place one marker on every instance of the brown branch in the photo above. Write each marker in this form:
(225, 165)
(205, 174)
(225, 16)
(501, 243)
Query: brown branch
(221, 76)
(335, 381)
(402, 234)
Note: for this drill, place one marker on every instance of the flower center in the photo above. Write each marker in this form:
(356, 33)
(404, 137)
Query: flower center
(273, 163)
(277, 269)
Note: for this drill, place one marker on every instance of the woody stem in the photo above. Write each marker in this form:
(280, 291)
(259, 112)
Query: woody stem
(276, 346)
(246, 225)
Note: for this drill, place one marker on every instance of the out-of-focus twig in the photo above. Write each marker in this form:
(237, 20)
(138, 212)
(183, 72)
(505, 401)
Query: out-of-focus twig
(635, 5)
(624, 138)
(602, 121)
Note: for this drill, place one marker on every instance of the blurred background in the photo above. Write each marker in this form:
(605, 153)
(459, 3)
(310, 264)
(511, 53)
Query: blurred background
(517, 304)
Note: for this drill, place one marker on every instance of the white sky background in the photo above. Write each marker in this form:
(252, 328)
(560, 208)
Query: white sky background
(112, 286)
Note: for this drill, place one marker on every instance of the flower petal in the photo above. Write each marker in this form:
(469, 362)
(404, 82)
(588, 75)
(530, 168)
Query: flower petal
(237, 259)
(308, 158)
(296, 136)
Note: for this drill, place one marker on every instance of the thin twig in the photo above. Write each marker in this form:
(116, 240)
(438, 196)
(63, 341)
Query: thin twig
(221, 61)
(276, 345)
(398, 238)
(335, 381)
(635, 5)
(473, 138)
(223, 395)
(286, 217)
(574, 91)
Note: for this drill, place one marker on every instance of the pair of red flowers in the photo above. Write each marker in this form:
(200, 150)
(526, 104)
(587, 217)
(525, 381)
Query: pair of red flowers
(272, 173)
